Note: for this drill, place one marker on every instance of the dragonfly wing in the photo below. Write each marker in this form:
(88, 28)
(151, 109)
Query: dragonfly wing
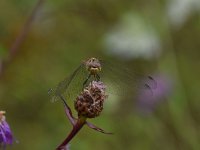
(71, 86)
(125, 78)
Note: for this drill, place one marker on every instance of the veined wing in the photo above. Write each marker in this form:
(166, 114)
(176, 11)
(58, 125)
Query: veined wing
(71, 86)
(125, 78)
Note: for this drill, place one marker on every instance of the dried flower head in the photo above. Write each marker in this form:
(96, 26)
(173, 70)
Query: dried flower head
(90, 102)
(6, 137)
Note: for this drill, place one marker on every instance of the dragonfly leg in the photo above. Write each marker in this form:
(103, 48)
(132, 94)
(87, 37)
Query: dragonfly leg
(85, 82)
(97, 77)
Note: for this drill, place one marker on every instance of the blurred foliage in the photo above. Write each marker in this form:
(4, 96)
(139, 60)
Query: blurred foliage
(66, 32)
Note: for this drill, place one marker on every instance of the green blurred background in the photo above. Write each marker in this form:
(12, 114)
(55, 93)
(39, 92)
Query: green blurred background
(158, 36)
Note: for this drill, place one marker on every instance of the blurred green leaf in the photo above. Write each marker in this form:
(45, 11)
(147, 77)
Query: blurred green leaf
(3, 52)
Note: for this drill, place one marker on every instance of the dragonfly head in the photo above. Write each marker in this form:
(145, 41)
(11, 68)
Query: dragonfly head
(93, 65)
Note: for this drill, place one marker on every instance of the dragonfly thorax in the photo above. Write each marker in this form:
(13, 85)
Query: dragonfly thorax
(93, 70)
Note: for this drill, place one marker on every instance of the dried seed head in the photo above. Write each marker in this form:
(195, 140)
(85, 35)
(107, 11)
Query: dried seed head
(90, 102)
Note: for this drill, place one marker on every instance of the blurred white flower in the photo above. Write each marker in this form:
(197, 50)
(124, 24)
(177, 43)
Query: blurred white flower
(178, 11)
(133, 38)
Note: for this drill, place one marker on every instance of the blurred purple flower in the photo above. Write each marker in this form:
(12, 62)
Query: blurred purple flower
(65, 147)
(148, 99)
(6, 137)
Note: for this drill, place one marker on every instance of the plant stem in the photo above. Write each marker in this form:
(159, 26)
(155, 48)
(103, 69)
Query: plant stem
(79, 124)
(68, 111)
(22, 36)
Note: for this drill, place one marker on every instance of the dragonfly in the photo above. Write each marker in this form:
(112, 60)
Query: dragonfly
(121, 77)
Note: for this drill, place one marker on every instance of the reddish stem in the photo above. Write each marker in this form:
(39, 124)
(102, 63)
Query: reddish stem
(22, 36)
(79, 124)
(68, 111)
